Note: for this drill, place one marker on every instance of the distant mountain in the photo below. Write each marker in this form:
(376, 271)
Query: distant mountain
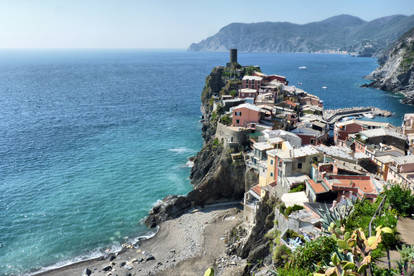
(338, 33)
(396, 71)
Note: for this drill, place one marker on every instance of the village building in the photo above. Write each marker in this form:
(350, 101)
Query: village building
(380, 136)
(408, 128)
(252, 82)
(311, 136)
(342, 130)
(334, 187)
(247, 93)
(246, 114)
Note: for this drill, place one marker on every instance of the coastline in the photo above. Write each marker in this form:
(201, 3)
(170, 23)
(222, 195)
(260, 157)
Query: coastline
(176, 249)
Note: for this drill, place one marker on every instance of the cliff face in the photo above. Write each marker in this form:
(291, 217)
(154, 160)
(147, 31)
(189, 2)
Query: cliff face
(343, 32)
(215, 175)
(396, 71)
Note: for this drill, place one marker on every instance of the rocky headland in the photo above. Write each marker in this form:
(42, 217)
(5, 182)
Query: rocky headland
(338, 34)
(396, 70)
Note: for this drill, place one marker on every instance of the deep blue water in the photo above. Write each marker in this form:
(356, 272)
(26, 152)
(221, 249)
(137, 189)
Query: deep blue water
(91, 139)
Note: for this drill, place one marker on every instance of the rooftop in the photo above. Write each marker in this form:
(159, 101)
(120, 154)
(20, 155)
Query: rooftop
(294, 153)
(248, 106)
(248, 90)
(382, 132)
(306, 131)
(291, 199)
(318, 188)
(408, 159)
(252, 78)
(336, 151)
(262, 146)
(363, 123)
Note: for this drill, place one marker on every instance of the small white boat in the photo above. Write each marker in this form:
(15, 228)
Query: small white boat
(299, 83)
(324, 87)
(369, 115)
(302, 67)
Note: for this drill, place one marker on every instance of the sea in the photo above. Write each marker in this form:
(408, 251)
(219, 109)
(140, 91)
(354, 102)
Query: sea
(90, 140)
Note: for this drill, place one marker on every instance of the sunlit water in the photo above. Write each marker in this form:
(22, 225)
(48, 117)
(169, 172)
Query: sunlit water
(90, 140)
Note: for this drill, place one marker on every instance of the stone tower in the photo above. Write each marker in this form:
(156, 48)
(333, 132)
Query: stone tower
(233, 56)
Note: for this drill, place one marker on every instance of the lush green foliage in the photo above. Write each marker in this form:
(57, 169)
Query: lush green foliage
(291, 209)
(233, 93)
(226, 120)
(301, 187)
(401, 200)
(314, 253)
(292, 272)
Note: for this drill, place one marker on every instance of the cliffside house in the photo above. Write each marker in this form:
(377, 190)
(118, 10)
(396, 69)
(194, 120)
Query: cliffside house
(247, 93)
(311, 136)
(408, 128)
(252, 82)
(335, 187)
(342, 130)
(246, 114)
(290, 162)
(380, 136)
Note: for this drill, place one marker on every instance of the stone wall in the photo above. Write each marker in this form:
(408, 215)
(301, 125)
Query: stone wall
(231, 135)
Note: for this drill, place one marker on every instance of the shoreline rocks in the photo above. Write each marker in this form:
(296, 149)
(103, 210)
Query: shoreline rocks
(396, 71)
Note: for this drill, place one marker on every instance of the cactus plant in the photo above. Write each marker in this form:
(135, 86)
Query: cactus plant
(358, 250)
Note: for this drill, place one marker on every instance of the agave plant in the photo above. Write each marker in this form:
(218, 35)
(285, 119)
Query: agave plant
(406, 262)
(358, 249)
(336, 215)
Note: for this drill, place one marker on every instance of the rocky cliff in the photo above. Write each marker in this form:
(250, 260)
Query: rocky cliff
(343, 32)
(215, 175)
(396, 71)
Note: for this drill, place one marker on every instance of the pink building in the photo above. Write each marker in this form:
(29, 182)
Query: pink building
(245, 114)
(252, 82)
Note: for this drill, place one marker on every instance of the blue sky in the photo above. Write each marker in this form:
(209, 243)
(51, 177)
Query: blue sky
(160, 23)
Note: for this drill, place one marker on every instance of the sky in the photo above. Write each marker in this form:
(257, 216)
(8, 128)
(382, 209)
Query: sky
(160, 23)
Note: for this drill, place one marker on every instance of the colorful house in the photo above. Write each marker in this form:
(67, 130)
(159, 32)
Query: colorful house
(252, 82)
(246, 114)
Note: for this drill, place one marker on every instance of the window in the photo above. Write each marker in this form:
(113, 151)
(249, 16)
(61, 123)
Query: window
(271, 161)
(237, 121)
(271, 174)
(312, 141)
(299, 165)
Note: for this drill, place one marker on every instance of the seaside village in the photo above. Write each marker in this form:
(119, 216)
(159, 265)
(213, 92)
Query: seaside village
(295, 157)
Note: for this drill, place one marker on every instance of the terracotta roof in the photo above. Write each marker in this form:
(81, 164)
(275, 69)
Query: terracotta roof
(257, 189)
(318, 188)
(273, 184)
(289, 102)
(364, 184)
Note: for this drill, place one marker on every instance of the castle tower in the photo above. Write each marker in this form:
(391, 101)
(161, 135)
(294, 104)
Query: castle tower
(233, 56)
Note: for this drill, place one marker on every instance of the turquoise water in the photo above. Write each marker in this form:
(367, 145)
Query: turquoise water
(90, 140)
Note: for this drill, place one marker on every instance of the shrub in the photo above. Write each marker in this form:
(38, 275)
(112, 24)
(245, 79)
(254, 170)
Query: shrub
(401, 200)
(292, 272)
(314, 253)
(291, 209)
(226, 120)
(301, 187)
(281, 255)
(233, 93)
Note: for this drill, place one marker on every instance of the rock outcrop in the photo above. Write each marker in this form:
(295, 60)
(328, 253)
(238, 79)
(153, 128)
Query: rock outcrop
(215, 175)
(396, 71)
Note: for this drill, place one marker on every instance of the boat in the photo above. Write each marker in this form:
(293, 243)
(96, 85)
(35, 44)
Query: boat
(324, 87)
(302, 67)
(369, 115)
(299, 83)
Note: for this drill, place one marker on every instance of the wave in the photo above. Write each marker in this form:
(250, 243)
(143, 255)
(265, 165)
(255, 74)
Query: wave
(181, 150)
(189, 164)
(95, 254)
